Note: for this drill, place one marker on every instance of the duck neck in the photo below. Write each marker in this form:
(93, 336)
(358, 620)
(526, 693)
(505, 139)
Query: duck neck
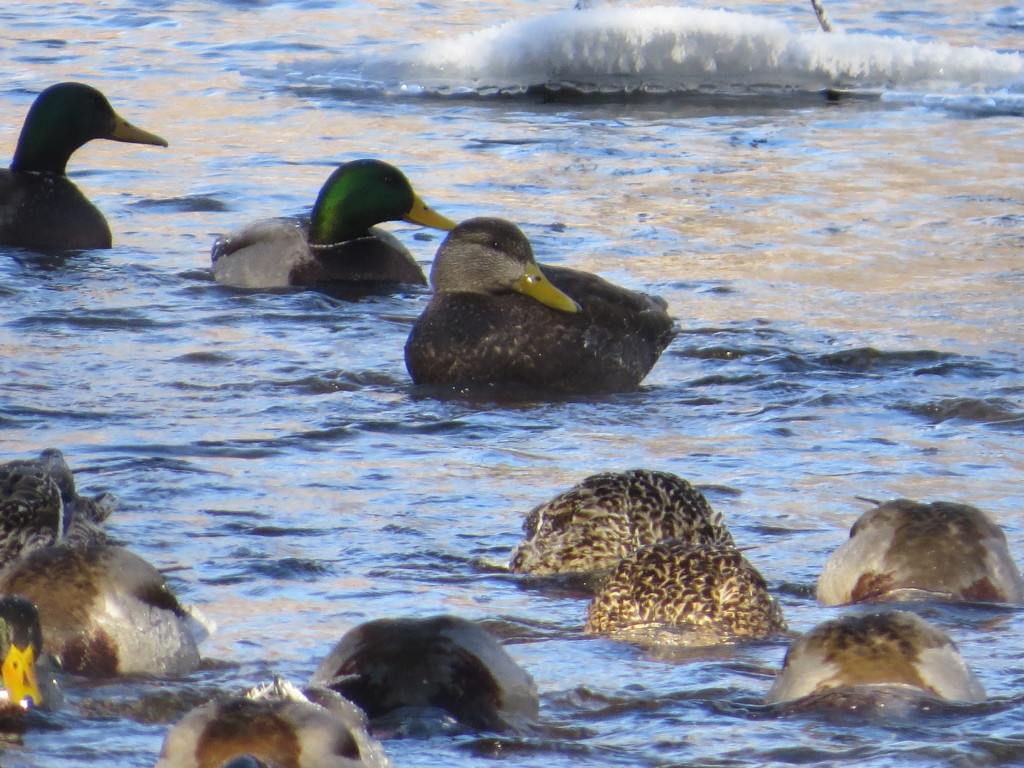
(328, 227)
(41, 151)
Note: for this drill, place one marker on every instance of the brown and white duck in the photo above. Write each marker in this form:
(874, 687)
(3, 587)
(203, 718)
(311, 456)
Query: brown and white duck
(876, 654)
(909, 550)
(273, 726)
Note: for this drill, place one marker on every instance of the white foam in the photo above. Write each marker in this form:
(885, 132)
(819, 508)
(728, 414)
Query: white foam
(680, 48)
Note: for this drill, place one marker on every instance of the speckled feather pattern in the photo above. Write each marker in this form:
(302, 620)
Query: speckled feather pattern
(596, 523)
(712, 592)
(610, 346)
(39, 506)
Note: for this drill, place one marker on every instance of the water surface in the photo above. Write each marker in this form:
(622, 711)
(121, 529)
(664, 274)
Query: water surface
(846, 272)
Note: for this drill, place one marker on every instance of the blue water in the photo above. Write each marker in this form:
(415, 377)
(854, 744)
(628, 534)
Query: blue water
(847, 274)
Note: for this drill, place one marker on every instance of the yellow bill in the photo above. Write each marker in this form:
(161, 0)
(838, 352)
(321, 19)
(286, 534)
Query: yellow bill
(125, 131)
(19, 676)
(536, 286)
(425, 216)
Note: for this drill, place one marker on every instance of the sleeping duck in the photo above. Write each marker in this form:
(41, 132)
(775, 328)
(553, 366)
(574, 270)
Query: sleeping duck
(675, 593)
(908, 550)
(273, 726)
(105, 611)
(497, 317)
(593, 525)
(40, 208)
(340, 243)
(39, 507)
(875, 654)
(441, 663)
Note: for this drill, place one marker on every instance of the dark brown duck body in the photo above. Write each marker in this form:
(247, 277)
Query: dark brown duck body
(498, 334)
(438, 662)
(47, 212)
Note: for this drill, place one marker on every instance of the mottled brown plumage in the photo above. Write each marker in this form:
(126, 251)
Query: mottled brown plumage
(889, 648)
(594, 524)
(907, 550)
(676, 592)
(438, 662)
(482, 325)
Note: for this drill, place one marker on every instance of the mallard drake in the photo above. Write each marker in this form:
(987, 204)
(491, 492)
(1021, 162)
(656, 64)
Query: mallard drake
(594, 524)
(273, 726)
(104, 611)
(28, 683)
(908, 550)
(497, 317)
(340, 243)
(887, 649)
(674, 592)
(440, 662)
(39, 507)
(40, 208)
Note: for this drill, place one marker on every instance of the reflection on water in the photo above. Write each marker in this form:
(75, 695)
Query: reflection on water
(846, 274)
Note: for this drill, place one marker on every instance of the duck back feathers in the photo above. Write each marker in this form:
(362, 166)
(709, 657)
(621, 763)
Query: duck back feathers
(596, 523)
(440, 662)
(104, 611)
(908, 550)
(674, 592)
(888, 649)
(39, 507)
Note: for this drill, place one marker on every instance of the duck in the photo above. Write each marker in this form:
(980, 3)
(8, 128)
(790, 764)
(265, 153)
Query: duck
(28, 681)
(40, 208)
(497, 317)
(444, 663)
(877, 653)
(105, 611)
(674, 593)
(905, 550)
(40, 507)
(340, 243)
(590, 527)
(276, 725)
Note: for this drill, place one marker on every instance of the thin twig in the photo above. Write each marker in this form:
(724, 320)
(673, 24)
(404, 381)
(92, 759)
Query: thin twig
(823, 19)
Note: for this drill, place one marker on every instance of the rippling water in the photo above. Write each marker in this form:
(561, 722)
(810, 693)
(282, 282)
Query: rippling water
(847, 273)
